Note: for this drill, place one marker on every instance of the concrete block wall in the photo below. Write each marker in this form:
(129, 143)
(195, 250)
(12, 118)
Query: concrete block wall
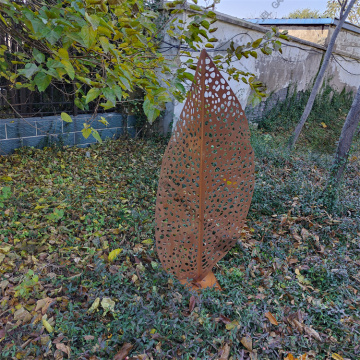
(39, 132)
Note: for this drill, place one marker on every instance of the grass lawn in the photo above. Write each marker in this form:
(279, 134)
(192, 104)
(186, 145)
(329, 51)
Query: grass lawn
(291, 286)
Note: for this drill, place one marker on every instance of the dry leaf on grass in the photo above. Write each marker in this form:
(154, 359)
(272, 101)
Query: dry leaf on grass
(94, 306)
(89, 337)
(232, 325)
(311, 332)
(142, 357)
(2, 334)
(22, 315)
(224, 352)
(247, 342)
(44, 304)
(124, 351)
(47, 325)
(192, 303)
(65, 349)
(271, 318)
(290, 357)
(108, 305)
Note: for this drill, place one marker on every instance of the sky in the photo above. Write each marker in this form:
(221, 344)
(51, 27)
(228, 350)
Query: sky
(254, 8)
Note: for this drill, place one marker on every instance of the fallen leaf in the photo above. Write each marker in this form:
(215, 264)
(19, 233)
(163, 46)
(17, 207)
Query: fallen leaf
(290, 357)
(89, 337)
(43, 304)
(5, 249)
(47, 326)
(65, 349)
(224, 319)
(58, 355)
(124, 351)
(44, 340)
(312, 332)
(253, 355)
(141, 357)
(113, 254)
(232, 325)
(302, 357)
(224, 352)
(58, 339)
(22, 315)
(192, 303)
(337, 356)
(4, 284)
(2, 334)
(148, 242)
(108, 305)
(94, 306)
(271, 318)
(247, 342)
(304, 233)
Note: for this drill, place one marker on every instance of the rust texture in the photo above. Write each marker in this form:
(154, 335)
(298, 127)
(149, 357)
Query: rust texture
(206, 180)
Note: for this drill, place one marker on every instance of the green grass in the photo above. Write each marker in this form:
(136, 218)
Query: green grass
(323, 126)
(294, 260)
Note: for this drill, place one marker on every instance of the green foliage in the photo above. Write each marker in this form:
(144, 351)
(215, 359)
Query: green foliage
(57, 215)
(325, 122)
(292, 256)
(26, 286)
(333, 10)
(4, 195)
(109, 49)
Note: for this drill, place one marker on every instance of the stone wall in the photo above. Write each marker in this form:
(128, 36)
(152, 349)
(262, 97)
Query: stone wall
(39, 132)
(297, 65)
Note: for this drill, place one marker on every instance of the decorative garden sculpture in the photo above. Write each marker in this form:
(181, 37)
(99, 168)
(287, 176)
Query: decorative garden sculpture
(206, 181)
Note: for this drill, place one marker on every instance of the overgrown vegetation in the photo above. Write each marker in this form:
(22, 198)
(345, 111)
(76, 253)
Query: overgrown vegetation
(323, 128)
(80, 278)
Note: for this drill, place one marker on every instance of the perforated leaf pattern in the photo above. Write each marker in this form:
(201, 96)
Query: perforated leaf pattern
(206, 180)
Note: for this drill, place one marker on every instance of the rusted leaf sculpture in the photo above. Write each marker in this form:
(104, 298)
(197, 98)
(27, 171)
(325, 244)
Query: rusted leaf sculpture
(206, 181)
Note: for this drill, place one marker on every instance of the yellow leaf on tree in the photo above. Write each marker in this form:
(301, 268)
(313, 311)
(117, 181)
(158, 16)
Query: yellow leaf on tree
(323, 125)
(113, 254)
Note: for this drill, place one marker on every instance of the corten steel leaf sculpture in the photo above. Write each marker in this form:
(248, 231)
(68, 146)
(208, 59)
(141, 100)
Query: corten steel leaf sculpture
(206, 181)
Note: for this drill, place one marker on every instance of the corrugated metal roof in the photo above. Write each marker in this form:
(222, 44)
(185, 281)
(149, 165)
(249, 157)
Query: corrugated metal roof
(299, 22)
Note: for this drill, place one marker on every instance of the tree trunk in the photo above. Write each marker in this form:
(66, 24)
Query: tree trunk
(320, 77)
(330, 193)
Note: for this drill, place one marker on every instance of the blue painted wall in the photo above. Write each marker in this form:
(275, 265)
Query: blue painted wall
(39, 132)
